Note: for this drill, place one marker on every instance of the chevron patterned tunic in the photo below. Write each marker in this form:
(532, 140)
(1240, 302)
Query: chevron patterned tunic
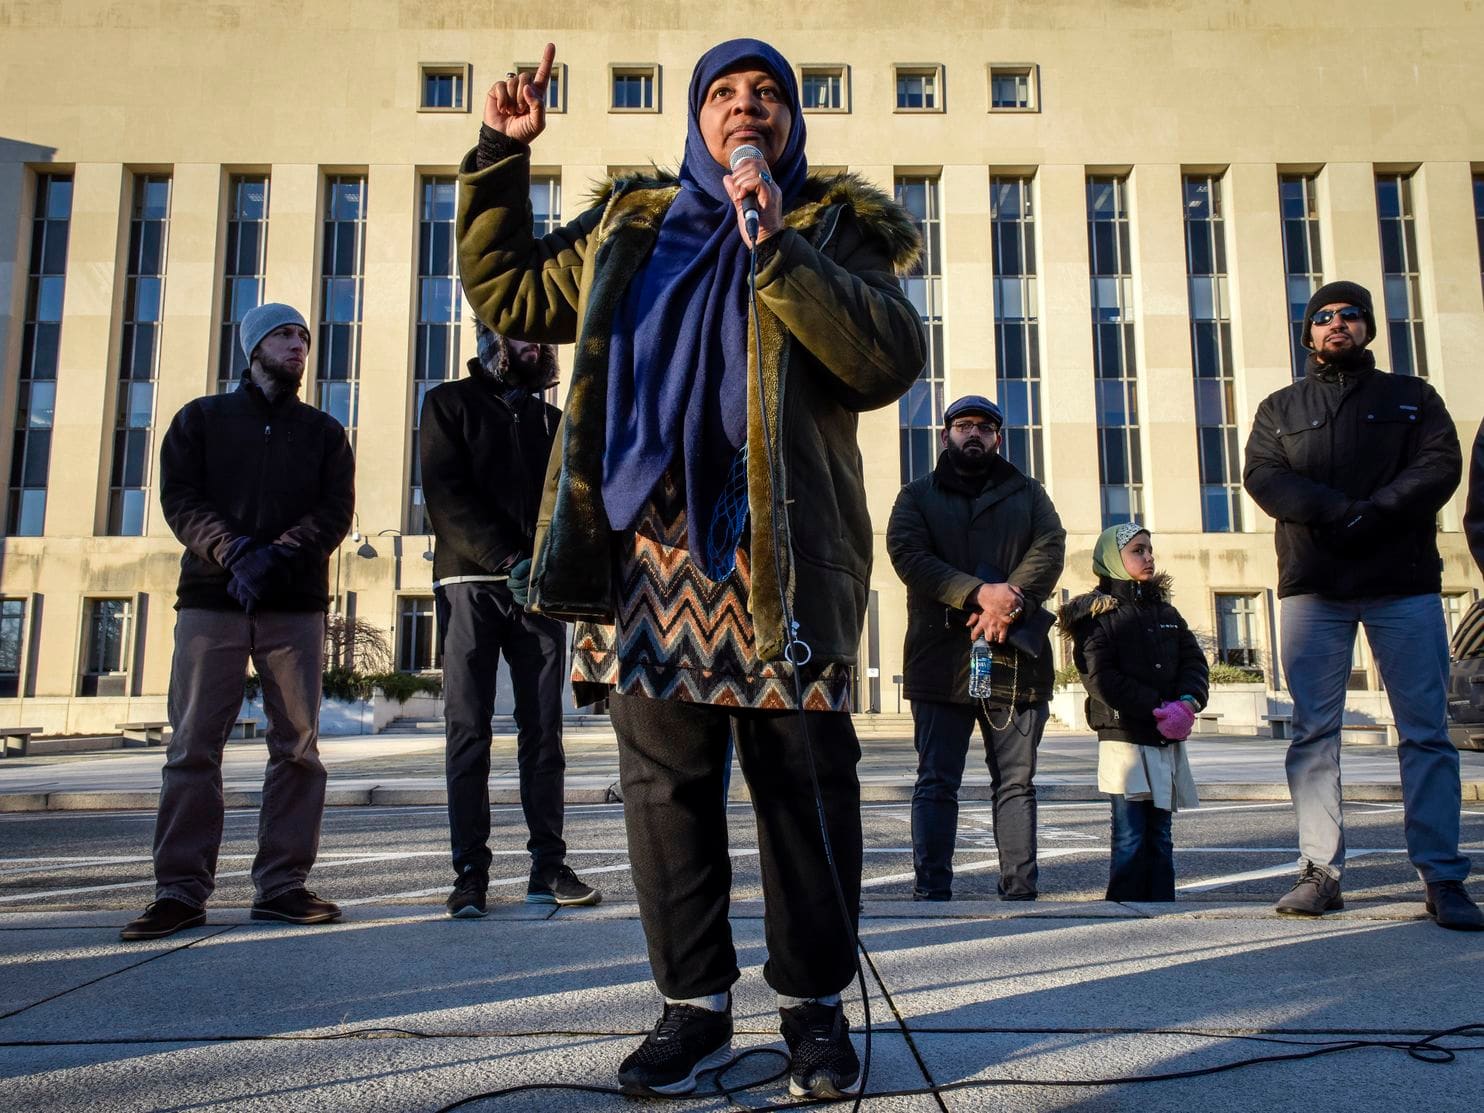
(684, 637)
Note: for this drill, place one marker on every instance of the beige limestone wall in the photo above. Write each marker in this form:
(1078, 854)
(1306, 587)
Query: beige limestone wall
(1160, 86)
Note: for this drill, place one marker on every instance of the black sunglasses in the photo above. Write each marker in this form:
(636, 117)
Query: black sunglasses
(1349, 313)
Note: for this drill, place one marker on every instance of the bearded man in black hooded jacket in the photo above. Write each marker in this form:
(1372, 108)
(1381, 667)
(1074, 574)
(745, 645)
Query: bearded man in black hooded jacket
(484, 441)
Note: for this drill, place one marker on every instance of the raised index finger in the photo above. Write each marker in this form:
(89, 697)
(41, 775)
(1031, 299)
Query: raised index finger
(543, 71)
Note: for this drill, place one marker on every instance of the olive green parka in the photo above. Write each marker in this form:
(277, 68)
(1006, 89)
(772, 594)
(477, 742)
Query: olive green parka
(838, 337)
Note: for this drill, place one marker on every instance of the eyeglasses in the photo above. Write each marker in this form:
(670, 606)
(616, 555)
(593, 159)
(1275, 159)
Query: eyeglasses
(984, 427)
(1349, 313)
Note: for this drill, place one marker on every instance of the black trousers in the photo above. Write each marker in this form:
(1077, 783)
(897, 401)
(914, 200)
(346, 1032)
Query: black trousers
(477, 622)
(671, 757)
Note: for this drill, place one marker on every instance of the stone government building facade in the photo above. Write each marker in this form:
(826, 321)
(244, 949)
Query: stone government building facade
(1122, 201)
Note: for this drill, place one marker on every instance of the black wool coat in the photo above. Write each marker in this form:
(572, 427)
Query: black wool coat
(939, 538)
(1134, 652)
(483, 451)
(237, 465)
(1331, 441)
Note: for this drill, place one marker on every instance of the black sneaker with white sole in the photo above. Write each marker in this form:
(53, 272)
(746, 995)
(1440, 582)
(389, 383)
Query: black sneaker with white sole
(467, 901)
(560, 886)
(685, 1042)
(822, 1061)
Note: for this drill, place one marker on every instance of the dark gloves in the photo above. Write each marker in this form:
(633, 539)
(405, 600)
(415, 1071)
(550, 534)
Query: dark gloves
(1359, 526)
(235, 550)
(520, 582)
(259, 572)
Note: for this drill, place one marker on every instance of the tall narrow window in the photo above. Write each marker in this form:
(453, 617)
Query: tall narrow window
(1403, 283)
(1236, 630)
(1211, 355)
(242, 271)
(1115, 370)
(342, 278)
(12, 630)
(921, 408)
(439, 297)
(105, 651)
(1302, 261)
(36, 395)
(416, 640)
(144, 297)
(1479, 220)
(1016, 320)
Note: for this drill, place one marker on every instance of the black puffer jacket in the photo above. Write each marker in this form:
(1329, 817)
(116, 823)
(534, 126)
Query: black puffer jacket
(1332, 441)
(1134, 652)
(941, 535)
(483, 452)
(235, 465)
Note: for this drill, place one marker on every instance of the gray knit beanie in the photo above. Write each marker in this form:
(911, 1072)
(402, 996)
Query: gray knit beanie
(258, 323)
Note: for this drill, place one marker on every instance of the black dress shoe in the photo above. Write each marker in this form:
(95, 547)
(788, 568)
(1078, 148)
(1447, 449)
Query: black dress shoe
(164, 917)
(1450, 904)
(297, 906)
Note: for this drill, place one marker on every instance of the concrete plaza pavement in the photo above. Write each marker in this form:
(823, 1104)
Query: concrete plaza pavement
(975, 1004)
(407, 768)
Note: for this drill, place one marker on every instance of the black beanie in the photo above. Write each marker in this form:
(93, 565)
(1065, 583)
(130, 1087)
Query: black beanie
(1335, 293)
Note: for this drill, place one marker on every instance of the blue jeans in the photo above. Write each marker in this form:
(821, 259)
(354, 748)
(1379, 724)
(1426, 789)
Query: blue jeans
(1409, 641)
(1142, 864)
(941, 734)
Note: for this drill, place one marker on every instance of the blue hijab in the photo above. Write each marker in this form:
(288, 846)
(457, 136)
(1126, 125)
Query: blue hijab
(677, 364)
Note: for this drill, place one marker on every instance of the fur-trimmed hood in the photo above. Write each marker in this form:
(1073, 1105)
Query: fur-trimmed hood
(1100, 600)
(872, 207)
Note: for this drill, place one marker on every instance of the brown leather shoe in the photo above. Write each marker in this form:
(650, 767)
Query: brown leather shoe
(1315, 893)
(297, 906)
(1449, 903)
(163, 917)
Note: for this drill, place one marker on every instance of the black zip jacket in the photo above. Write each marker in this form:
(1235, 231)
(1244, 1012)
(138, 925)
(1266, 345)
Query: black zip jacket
(483, 452)
(1135, 653)
(941, 534)
(236, 465)
(1473, 519)
(1333, 442)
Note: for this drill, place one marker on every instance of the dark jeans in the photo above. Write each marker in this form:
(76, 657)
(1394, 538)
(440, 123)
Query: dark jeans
(941, 733)
(1142, 864)
(671, 764)
(476, 623)
(212, 649)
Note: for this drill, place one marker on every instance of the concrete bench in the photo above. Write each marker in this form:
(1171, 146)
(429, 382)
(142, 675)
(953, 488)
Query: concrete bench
(17, 739)
(1207, 722)
(1282, 727)
(150, 734)
(244, 728)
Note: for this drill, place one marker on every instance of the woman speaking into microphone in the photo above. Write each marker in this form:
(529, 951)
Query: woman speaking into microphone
(705, 518)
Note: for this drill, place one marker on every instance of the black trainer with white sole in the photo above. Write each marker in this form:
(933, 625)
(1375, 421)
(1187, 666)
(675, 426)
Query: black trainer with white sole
(685, 1042)
(822, 1060)
(468, 900)
(560, 886)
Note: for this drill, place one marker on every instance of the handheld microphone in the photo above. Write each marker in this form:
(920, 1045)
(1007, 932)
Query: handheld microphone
(749, 203)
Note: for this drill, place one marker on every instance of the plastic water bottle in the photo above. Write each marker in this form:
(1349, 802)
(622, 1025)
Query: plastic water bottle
(981, 663)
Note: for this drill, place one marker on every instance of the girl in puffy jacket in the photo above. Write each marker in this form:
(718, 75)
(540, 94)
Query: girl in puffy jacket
(1146, 678)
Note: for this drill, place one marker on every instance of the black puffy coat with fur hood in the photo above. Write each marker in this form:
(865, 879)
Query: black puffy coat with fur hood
(1134, 652)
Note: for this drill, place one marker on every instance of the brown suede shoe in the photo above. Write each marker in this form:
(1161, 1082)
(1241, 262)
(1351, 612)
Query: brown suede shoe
(1315, 893)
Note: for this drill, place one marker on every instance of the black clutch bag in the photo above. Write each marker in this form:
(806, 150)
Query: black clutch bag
(1028, 632)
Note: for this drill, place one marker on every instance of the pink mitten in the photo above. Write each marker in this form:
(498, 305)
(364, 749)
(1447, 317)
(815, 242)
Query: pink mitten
(1175, 720)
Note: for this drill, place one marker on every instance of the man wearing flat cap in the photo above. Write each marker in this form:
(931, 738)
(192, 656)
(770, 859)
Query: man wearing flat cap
(1354, 464)
(980, 547)
(259, 488)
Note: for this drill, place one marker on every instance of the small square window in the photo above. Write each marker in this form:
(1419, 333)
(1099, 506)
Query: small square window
(556, 85)
(634, 88)
(824, 88)
(1014, 87)
(444, 86)
(919, 88)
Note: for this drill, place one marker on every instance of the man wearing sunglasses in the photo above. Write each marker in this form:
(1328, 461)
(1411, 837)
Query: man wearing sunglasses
(1354, 464)
(980, 547)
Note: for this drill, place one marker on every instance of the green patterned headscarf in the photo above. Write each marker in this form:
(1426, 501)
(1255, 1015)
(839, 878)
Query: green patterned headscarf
(1106, 558)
